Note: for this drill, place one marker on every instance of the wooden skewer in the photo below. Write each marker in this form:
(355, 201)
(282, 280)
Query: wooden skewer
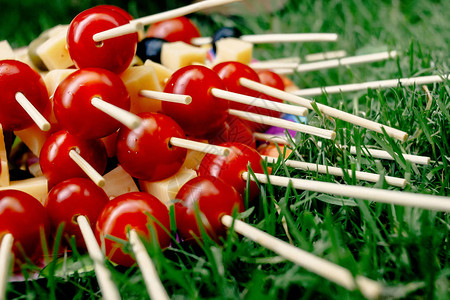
(431, 202)
(128, 119)
(271, 138)
(263, 65)
(379, 84)
(325, 55)
(271, 105)
(34, 114)
(328, 134)
(169, 97)
(372, 177)
(201, 147)
(276, 38)
(5, 260)
(152, 281)
(107, 286)
(328, 270)
(136, 24)
(327, 110)
(87, 168)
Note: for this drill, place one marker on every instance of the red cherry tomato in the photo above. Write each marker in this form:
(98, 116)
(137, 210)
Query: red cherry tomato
(131, 211)
(145, 152)
(16, 76)
(72, 102)
(121, 11)
(56, 163)
(113, 54)
(71, 198)
(25, 218)
(230, 168)
(211, 197)
(234, 130)
(174, 30)
(206, 113)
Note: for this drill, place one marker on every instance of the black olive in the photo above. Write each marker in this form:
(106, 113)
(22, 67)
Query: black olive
(225, 32)
(150, 48)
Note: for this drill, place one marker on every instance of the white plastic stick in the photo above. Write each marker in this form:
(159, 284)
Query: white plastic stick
(169, 97)
(107, 286)
(289, 38)
(346, 61)
(335, 171)
(152, 281)
(324, 133)
(327, 110)
(34, 114)
(87, 168)
(5, 260)
(379, 84)
(326, 269)
(267, 104)
(136, 24)
(431, 202)
(198, 146)
(128, 119)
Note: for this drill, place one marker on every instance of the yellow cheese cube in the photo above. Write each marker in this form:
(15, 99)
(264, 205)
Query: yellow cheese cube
(6, 52)
(33, 137)
(179, 54)
(36, 187)
(118, 182)
(4, 171)
(166, 190)
(54, 53)
(162, 73)
(142, 78)
(53, 78)
(233, 49)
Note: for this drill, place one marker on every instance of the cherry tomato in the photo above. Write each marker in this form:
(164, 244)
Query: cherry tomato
(72, 102)
(16, 76)
(174, 30)
(26, 219)
(230, 168)
(121, 11)
(145, 152)
(136, 211)
(113, 54)
(56, 163)
(206, 113)
(71, 198)
(207, 196)
(234, 130)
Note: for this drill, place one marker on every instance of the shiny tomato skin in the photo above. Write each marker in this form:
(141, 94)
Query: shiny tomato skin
(145, 152)
(25, 218)
(206, 113)
(214, 199)
(16, 76)
(231, 72)
(56, 163)
(71, 198)
(72, 102)
(121, 11)
(174, 30)
(230, 168)
(113, 54)
(131, 211)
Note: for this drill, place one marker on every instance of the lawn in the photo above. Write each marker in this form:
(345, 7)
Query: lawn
(405, 249)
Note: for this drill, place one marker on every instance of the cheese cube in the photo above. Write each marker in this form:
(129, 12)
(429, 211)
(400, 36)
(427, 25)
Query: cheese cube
(193, 159)
(33, 137)
(118, 182)
(54, 53)
(142, 78)
(162, 73)
(167, 189)
(53, 78)
(6, 52)
(179, 54)
(233, 49)
(36, 187)
(4, 171)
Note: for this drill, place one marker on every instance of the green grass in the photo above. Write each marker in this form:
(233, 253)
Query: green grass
(406, 249)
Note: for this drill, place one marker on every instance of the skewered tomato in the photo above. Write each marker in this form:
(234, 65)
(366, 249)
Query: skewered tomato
(174, 30)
